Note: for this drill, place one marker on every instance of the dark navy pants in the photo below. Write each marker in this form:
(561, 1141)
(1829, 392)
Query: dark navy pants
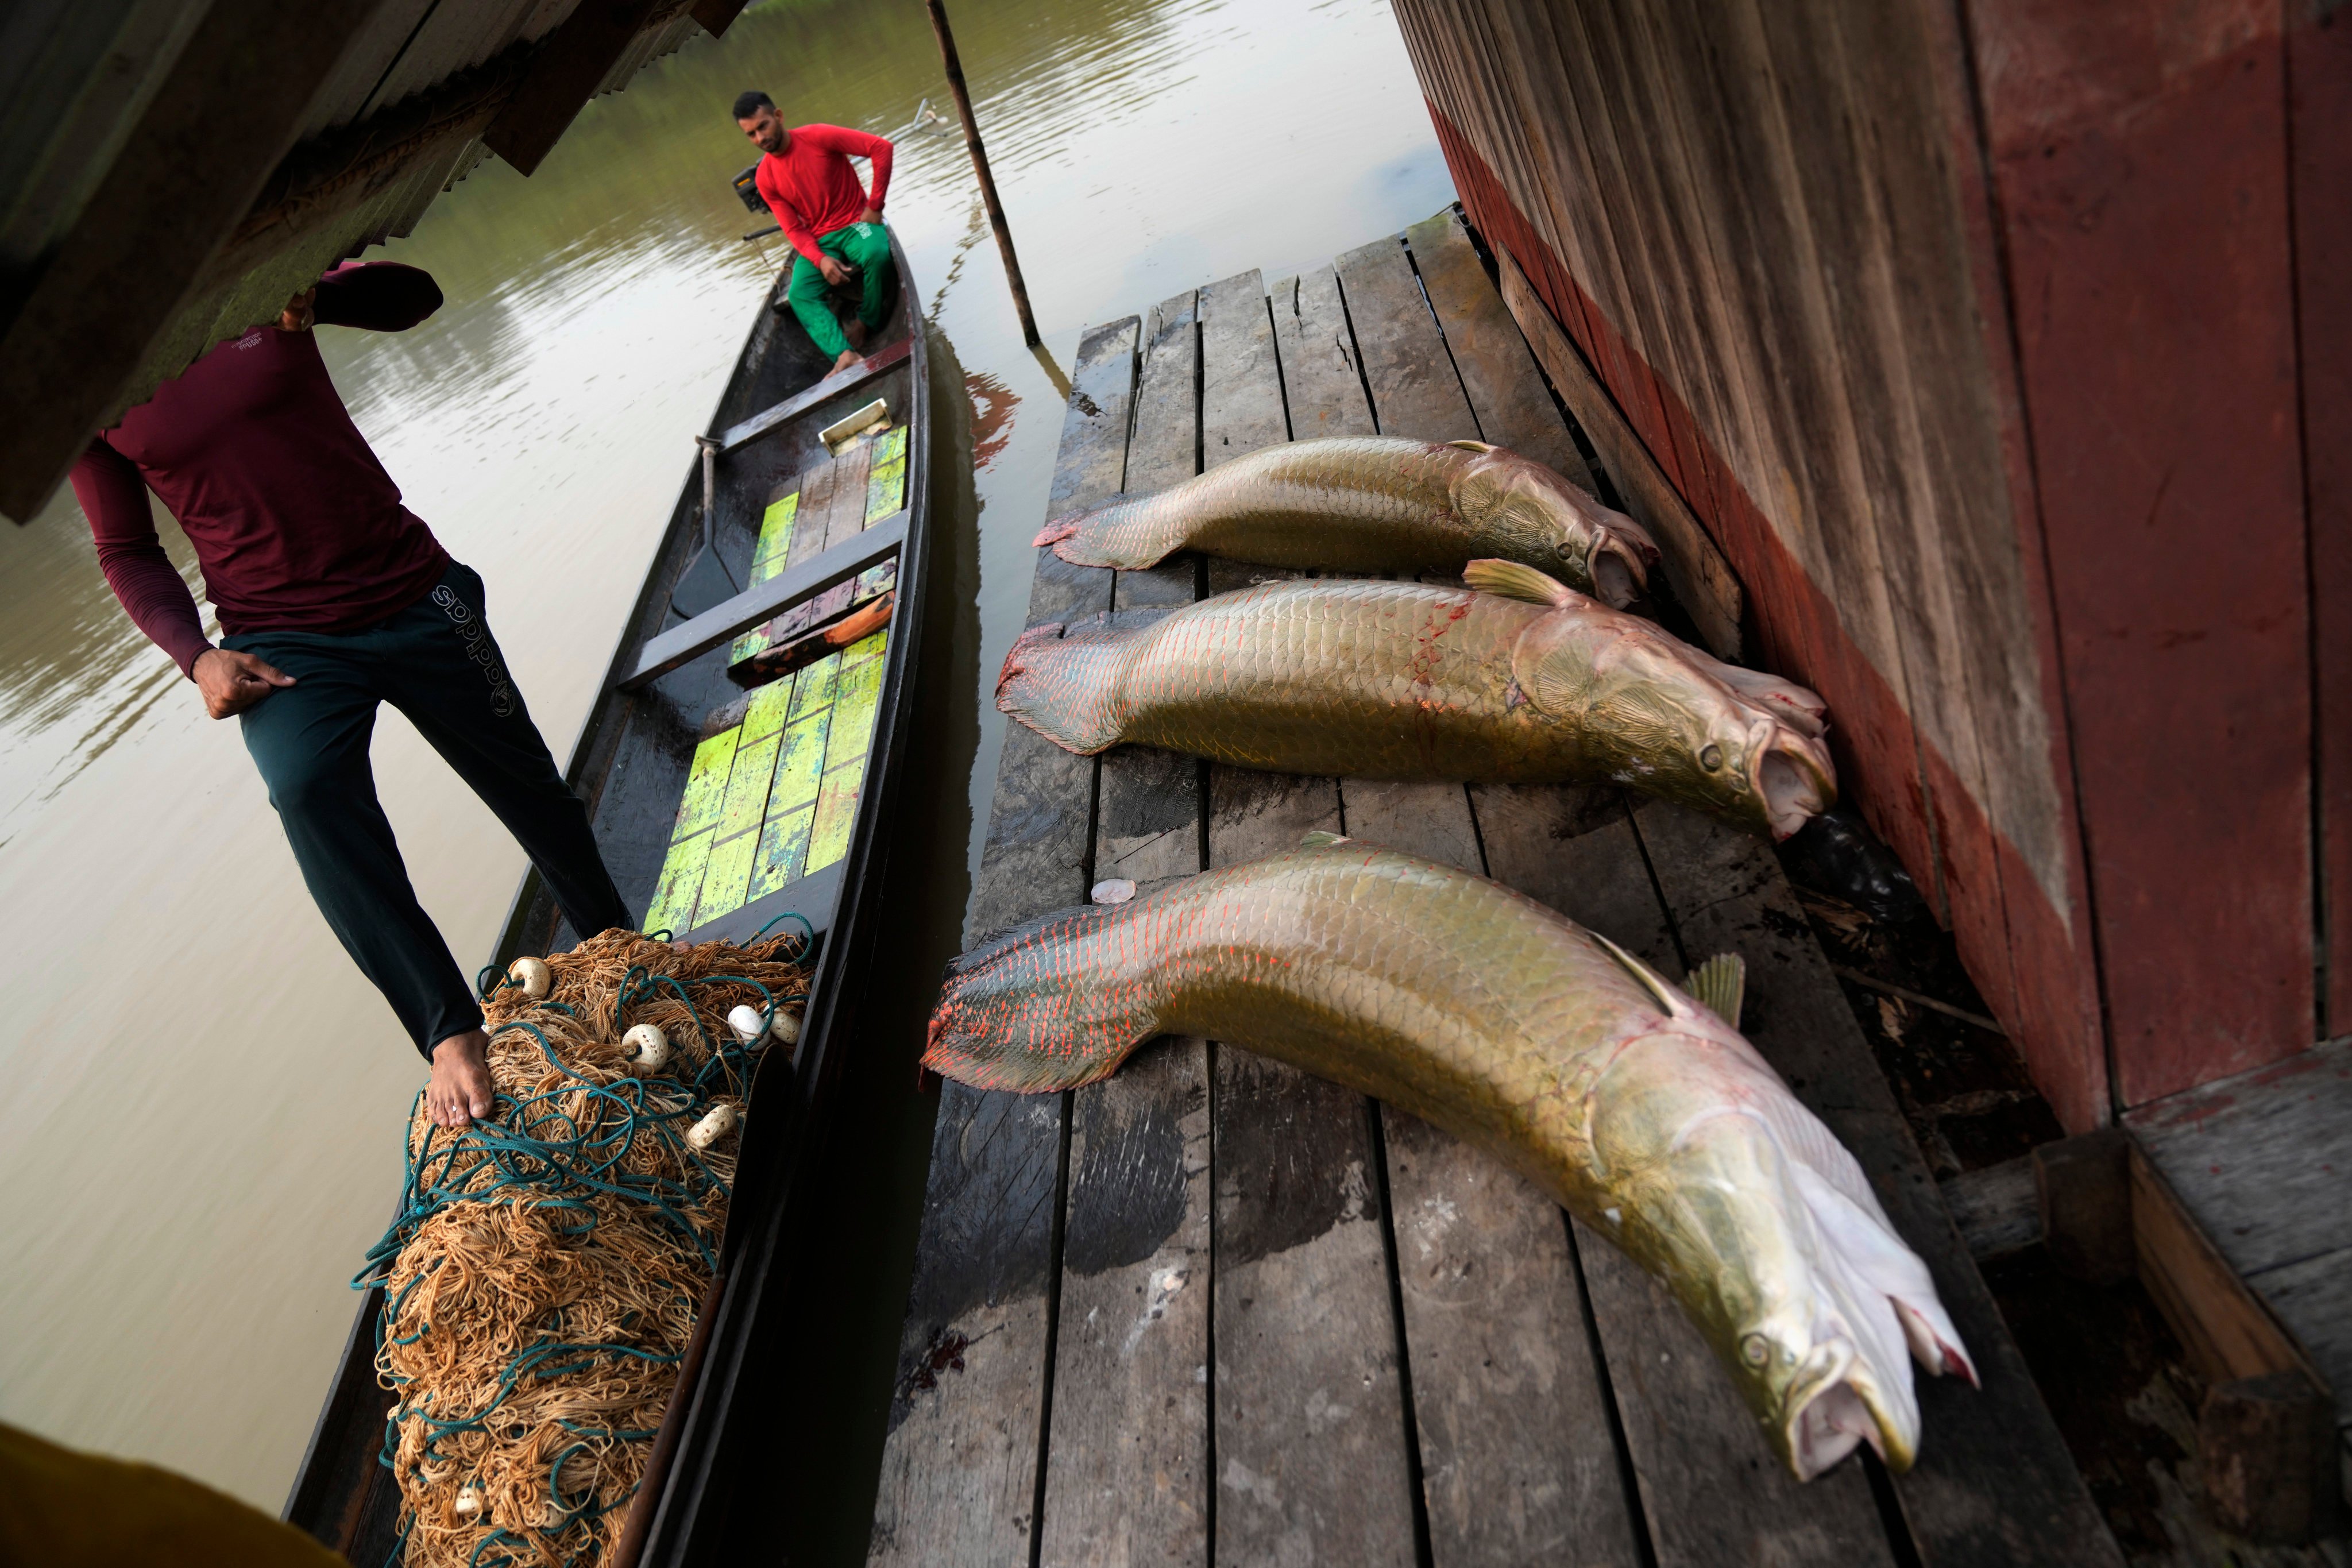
(437, 663)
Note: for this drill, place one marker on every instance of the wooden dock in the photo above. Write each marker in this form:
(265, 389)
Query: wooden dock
(1213, 1310)
(2263, 1160)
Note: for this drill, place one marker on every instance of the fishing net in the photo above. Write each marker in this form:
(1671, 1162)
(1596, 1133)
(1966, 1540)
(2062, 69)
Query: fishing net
(541, 1282)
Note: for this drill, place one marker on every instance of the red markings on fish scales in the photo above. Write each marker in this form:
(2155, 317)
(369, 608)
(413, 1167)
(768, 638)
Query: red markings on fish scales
(1422, 670)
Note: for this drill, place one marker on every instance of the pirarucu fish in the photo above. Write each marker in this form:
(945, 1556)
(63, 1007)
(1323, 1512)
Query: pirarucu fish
(1372, 503)
(1643, 1113)
(1531, 683)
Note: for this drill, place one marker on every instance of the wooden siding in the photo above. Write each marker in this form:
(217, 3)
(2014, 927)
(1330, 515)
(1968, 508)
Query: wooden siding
(2050, 564)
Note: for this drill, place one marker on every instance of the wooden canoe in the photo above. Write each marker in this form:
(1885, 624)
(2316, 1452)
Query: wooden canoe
(813, 581)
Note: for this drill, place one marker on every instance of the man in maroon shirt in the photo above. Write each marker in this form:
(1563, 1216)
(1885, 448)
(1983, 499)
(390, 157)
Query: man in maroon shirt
(335, 598)
(829, 218)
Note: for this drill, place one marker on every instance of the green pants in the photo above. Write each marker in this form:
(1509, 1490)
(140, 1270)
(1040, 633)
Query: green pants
(865, 246)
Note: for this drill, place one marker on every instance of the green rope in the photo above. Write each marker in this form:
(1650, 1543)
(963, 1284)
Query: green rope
(808, 933)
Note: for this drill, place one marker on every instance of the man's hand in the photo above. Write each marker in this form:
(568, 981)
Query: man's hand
(834, 272)
(301, 311)
(871, 215)
(233, 682)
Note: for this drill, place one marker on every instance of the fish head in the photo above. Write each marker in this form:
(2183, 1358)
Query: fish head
(1673, 726)
(1708, 1199)
(1551, 524)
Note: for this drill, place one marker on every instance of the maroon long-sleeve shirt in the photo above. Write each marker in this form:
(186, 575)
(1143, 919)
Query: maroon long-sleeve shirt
(810, 187)
(296, 524)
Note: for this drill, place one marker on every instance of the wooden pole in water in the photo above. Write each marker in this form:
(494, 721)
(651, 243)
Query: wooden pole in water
(980, 167)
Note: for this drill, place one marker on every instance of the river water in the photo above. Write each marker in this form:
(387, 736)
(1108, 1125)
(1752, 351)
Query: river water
(201, 1129)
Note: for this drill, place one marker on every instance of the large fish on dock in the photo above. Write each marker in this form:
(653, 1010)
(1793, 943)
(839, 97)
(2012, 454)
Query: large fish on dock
(1531, 683)
(1516, 1030)
(1372, 503)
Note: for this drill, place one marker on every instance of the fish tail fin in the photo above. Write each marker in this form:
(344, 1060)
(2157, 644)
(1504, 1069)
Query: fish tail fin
(1127, 534)
(1012, 1016)
(1061, 680)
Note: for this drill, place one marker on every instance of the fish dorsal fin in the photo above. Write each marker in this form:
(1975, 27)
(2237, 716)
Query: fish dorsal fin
(1474, 446)
(1513, 581)
(1323, 838)
(1720, 984)
(1674, 1002)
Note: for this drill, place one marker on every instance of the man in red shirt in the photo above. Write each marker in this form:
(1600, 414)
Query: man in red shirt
(335, 598)
(828, 216)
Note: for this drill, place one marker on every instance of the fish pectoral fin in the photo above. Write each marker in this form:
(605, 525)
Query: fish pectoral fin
(1512, 580)
(1323, 838)
(1475, 446)
(1720, 984)
(1674, 1003)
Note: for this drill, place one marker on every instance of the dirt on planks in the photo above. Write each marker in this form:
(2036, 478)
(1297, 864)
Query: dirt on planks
(1962, 1086)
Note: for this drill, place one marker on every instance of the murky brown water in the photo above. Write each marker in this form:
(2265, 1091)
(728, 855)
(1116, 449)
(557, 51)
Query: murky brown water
(201, 1132)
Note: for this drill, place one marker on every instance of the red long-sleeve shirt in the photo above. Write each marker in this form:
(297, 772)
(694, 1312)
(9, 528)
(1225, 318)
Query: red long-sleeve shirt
(810, 187)
(295, 522)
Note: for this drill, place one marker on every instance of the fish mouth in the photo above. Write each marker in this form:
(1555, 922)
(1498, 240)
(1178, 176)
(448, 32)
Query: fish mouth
(1832, 1408)
(1619, 574)
(1794, 779)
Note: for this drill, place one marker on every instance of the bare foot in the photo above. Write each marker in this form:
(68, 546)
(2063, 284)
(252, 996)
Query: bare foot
(854, 330)
(848, 357)
(460, 1089)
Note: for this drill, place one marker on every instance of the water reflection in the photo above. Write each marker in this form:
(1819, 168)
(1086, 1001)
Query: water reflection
(992, 405)
(201, 1132)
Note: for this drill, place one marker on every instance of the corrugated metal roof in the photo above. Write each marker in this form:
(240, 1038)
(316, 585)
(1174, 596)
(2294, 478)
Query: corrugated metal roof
(74, 76)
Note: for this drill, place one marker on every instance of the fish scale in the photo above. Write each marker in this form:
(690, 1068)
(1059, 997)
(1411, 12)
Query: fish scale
(1513, 1028)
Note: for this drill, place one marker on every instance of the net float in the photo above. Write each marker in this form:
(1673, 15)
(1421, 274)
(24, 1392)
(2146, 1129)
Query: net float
(745, 1021)
(646, 1048)
(532, 975)
(469, 1496)
(719, 1122)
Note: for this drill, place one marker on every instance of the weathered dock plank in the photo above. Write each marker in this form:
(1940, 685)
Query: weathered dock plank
(1319, 373)
(2261, 1160)
(1506, 389)
(1413, 388)
(1126, 1471)
(1517, 1460)
(1994, 1482)
(960, 1479)
(1519, 1463)
(1312, 1462)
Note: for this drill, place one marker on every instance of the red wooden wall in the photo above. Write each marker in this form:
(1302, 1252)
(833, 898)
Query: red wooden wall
(2007, 351)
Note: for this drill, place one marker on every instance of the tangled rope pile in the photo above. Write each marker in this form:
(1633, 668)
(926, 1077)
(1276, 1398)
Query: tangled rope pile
(541, 1282)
